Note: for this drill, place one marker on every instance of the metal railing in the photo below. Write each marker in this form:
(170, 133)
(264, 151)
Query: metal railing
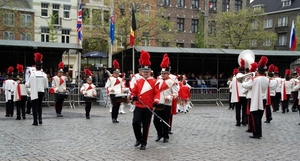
(75, 98)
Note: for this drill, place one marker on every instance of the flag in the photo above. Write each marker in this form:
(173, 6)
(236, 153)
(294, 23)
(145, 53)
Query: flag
(133, 28)
(210, 5)
(112, 28)
(79, 24)
(293, 40)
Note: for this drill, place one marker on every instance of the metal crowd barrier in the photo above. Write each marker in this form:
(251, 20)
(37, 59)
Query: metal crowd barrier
(75, 98)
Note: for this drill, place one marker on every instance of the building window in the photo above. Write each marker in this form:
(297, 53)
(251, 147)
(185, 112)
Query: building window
(8, 35)
(193, 46)
(67, 9)
(282, 40)
(106, 16)
(85, 15)
(282, 21)
(195, 23)
(165, 2)
(254, 43)
(180, 3)
(165, 44)
(8, 19)
(195, 3)
(268, 23)
(26, 36)
(55, 12)
(147, 12)
(254, 25)
(211, 27)
(65, 36)
(25, 20)
(180, 24)
(225, 5)
(44, 10)
(180, 45)
(238, 5)
(45, 34)
(286, 3)
(267, 42)
(212, 5)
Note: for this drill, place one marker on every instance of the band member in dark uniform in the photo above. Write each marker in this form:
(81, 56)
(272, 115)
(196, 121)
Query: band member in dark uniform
(88, 89)
(114, 86)
(20, 93)
(37, 83)
(168, 91)
(8, 86)
(59, 87)
(146, 95)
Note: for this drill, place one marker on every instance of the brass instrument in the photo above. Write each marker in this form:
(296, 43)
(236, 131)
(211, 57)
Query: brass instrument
(245, 77)
(249, 57)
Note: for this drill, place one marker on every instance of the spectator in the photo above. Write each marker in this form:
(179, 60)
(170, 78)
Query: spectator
(201, 84)
(192, 80)
(213, 81)
(222, 82)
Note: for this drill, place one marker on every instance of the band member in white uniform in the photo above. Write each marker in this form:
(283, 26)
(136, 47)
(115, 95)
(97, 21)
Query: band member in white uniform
(88, 89)
(37, 83)
(114, 86)
(133, 80)
(126, 90)
(20, 93)
(294, 92)
(286, 90)
(8, 86)
(59, 86)
(278, 89)
(259, 85)
(271, 90)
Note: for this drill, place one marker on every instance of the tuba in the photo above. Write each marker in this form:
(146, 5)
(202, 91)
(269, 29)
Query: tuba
(249, 57)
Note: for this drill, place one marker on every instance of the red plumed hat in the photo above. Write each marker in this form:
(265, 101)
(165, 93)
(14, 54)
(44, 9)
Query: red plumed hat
(10, 71)
(262, 64)
(235, 71)
(242, 66)
(271, 68)
(145, 56)
(38, 58)
(20, 68)
(88, 72)
(276, 70)
(165, 65)
(116, 66)
(297, 70)
(253, 67)
(287, 73)
(61, 66)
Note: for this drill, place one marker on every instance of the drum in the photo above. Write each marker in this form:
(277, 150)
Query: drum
(121, 97)
(90, 99)
(160, 107)
(63, 95)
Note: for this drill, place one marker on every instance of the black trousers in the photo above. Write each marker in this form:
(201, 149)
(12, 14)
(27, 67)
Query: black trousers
(37, 107)
(250, 122)
(141, 116)
(88, 106)
(115, 106)
(273, 102)
(256, 119)
(285, 103)
(231, 105)
(58, 103)
(268, 111)
(277, 101)
(170, 121)
(10, 106)
(28, 105)
(21, 106)
(241, 105)
(295, 100)
(161, 128)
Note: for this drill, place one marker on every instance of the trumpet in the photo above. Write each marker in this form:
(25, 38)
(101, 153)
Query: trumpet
(245, 77)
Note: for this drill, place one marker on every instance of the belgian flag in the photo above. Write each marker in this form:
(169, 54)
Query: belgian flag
(133, 28)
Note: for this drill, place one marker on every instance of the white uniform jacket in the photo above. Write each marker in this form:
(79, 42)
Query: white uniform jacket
(168, 89)
(8, 86)
(114, 84)
(273, 85)
(286, 88)
(19, 91)
(59, 84)
(278, 88)
(133, 80)
(88, 90)
(37, 82)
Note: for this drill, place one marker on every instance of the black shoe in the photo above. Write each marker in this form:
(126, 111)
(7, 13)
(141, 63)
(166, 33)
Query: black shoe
(294, 110)
(28, 112)
(158, 138)
(249, 130)
(254, 137)
(170, 132)
(287, 110)
(166, 140)
(283, 112)
(237, 124)
(18, 118)
(267, 121)
(6, 115)
(299, 124)
(143, 147)
(137, 143)
(35, 124)
(59, 115)
(115, 121)
(40, 121)
(24, 118)
(87, 117)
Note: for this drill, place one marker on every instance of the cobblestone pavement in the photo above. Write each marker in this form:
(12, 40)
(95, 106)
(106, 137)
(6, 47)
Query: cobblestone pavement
(205, 133)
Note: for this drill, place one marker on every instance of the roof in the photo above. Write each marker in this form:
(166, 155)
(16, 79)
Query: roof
(276, 5)
(171, 50)
(34, 44)
(19, 5)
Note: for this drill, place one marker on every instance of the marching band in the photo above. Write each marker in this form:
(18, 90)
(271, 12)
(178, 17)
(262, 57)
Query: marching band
(255, 88)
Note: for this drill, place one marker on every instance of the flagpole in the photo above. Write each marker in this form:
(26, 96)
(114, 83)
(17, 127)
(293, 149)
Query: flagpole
(133, 60)
(111, 41)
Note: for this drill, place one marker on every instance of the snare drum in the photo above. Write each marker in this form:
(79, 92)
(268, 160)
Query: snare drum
(90, 99)
(121, 97)
(63, 95)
